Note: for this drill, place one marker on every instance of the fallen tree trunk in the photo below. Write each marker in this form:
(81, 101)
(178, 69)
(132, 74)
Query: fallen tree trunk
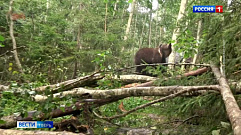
(232, 108)
(134, 78)
(125, 92)
(66, 85)
(70, 84)
(22, 132)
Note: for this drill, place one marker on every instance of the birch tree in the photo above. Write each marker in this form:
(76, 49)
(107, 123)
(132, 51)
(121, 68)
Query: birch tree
(198, 41)
(177, 29)
(129, 20)
(15, 53)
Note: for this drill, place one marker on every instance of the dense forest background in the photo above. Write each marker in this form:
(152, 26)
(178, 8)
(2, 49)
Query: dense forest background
(58, 40)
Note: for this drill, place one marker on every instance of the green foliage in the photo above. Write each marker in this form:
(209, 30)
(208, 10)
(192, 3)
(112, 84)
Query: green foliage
(186, 44)
(20, 102)
(10, 103)
(1, 40)
(101, 59)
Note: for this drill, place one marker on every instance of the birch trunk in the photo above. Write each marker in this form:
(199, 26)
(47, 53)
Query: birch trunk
(149, 33)
(106, 11)
(232, 108)
(142, 31)
(15, 53)
(198, 40)
(129, 20)
(177, 30)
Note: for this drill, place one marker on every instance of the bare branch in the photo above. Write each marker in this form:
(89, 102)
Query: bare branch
(153, 102)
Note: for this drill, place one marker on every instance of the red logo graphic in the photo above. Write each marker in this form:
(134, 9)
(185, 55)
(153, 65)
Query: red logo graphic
(219, 9)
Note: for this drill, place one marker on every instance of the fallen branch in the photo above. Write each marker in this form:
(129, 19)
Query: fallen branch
(70, 84)
(232, 108)
(11, 50)
(183, 121)
(134, 78)
(153, 102)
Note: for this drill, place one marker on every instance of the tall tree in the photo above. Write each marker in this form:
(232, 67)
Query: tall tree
(15, 53)
(177, 29)
(199, 28)
(130, 19)
(149, 32)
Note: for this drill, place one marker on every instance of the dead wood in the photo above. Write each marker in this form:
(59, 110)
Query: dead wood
(124, 92)
(134, 78)
(174, 94)
(232, 108)
(70, 84)
(72, 125)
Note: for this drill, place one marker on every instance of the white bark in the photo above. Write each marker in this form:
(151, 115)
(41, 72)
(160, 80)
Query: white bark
(15, 53)
(125, 92)
(232, 108)
(177, 29)
(198, 41)
(129, 20)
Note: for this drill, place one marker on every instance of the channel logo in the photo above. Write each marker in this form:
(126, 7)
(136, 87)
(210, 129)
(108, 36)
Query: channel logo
(35, 124)
(207, 9)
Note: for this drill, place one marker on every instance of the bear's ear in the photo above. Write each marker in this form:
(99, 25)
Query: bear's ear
(160, 46)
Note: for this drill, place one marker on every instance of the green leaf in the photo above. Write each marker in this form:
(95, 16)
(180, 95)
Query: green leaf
(130, 1)
(62, 109)
(15, 72)
(1, 38)
(149, 4)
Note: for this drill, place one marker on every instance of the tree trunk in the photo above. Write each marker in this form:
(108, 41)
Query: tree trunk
(149, 33)
(198, 41)
(79, 46)
(115, 6)
(232, 108)
(142, 31)
(129, 20)
(156, 29)
(126, 92)
(177, 30)
(106, 11)
(15, 53)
